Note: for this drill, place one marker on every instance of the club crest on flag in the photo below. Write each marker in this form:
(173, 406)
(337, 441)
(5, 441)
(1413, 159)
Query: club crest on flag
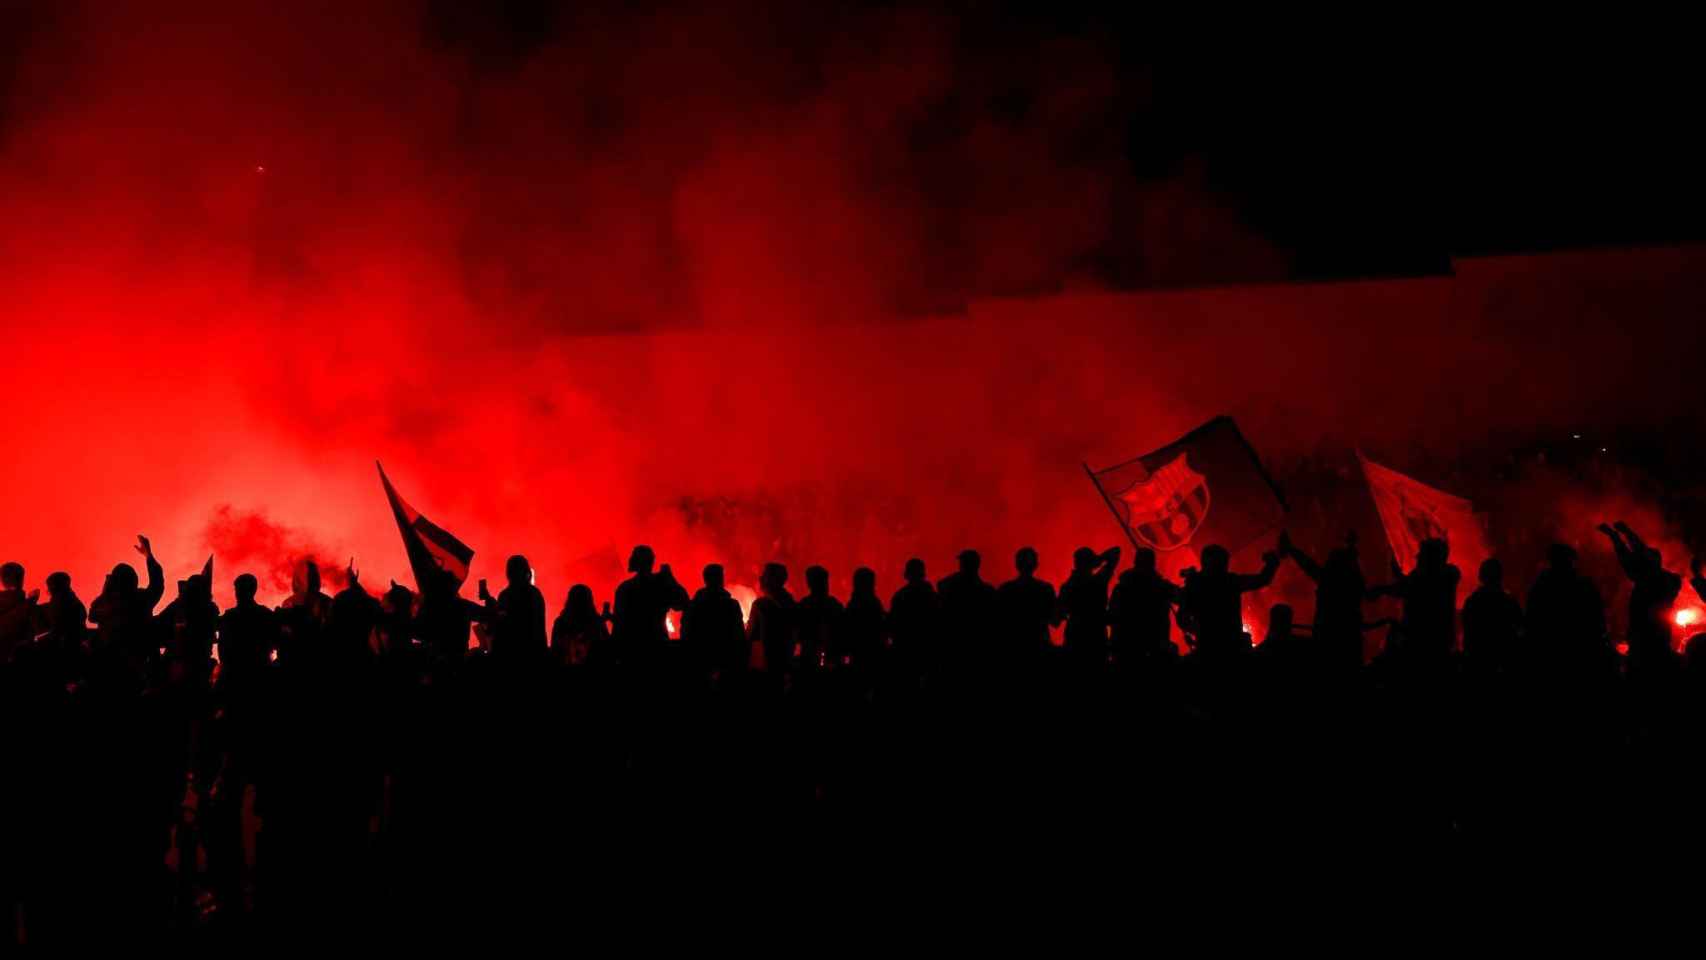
(1167, 507)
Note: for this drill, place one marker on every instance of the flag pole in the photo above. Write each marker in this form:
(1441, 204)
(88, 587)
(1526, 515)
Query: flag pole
(1111, 508)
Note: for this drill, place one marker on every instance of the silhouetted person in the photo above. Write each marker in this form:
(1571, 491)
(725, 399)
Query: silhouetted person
(1339, 592)
(712, 632)
(248, 635)
(1565, 616)
(303, 615)
(915, 617)
(355, 615)
(819, 618)
(397, 622)
(1084, 602)
(1428, 592)
(517, 615)
(187, 626)
(580, 634)
(1652, 595)
(1140, 612)
(772, 625)
(123, 614)
(65, 627)
(866, 622)
(444, 617)
(1028, 608)
(20, 616)
(1286, 645)
(643, 601)
(1211, 601)
(1492, 621)
(968, 612)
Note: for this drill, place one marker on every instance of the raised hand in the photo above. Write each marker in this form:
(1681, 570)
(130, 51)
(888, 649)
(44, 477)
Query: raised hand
(353, 574)
(143, 546)
(1606, 529)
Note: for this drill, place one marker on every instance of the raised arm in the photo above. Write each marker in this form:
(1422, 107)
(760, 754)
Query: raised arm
(1304, 561)
(1256, 581)
(1110, 559)
(1632, 538)
(156, 576)
(1626, 557)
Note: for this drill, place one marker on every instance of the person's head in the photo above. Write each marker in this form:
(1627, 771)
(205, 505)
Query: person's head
(1025, 561)
(1433, 553)
(245, 587)
(1215, 559)
(970, 562)
(122, 579)
(864, 581)
(641, 560)
(59, 584)
(817, 580)
(399, 600)
(1083, 558)
(1280, 619)
(11, 576)
(714, 576)
(580, 605)
(1492, 573)
(773, 578)
(305, 579)
(1561, 557)
(1143, 561)
(518, 571)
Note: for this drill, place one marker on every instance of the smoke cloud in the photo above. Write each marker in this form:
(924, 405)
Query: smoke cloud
(744, 284)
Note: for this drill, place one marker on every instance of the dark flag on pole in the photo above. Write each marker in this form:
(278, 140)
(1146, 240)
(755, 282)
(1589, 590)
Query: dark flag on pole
(1206, 487)
(431, 549)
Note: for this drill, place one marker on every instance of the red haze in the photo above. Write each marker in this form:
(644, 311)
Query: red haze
(679, 282)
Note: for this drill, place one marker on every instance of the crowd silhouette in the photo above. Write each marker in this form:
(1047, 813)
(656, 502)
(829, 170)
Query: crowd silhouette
(355, 761)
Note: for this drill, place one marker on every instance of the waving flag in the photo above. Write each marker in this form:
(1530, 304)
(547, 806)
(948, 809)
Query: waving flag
(1207, 487)
(1411, 511)
(431, 549)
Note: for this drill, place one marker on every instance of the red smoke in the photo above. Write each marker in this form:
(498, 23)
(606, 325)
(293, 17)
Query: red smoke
(676, 279)
(250, 543)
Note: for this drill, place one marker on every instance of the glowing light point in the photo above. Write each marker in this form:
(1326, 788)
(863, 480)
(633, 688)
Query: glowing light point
(260, 169)
(1689, 616)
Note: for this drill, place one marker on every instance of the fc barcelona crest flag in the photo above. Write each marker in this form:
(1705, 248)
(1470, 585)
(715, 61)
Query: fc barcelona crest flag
(1207, 487)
